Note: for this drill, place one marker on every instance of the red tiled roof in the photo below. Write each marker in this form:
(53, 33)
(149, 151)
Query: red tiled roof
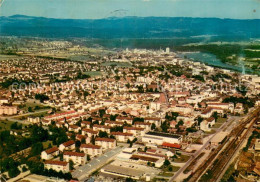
(86, 122)
(207, 110)
(172, 145)
(214, 103)
(105, 139)
(68, 143)
(90, 146)
(80, 137)
(74, 126)
(90, 131)
(59, 163)
(101, 126)
(121, 133)
(144, 158)
(151, 150)
(51, 150)
(150, 118)
(210, 119)
(141, 123)
(74, 154)
(124, 118)
(133, 128)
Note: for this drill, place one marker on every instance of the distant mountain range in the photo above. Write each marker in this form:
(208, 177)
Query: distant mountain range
(130, 27)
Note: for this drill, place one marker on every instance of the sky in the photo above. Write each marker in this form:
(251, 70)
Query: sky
(96, 9)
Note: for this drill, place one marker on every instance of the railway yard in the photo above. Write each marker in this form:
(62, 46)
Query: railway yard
(221, 156)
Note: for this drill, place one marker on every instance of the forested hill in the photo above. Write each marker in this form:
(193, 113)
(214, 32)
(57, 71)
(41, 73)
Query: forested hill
(129, 27)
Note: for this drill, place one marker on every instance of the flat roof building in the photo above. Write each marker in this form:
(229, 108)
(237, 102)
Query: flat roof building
(159, 138)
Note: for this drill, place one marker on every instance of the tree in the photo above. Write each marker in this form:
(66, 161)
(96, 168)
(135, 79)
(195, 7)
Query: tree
(112, 136)
(49, 146)
(145, 148)
(116, 129)
(30, 109)
(165, 126)
(93, 139)
(180, 123)
(102, 112)
(41, 97)
(215, 115)
(73, 136)
(199, 119)
(38, 134)
(88, 157)
(16, 126)
(103, 134)
(129, 180)
(136, 119)
(24, 169)
(166, 162)
(127, 85)
(153, 126)
(71, 164)
(37, 108)
(113, 117)
(37, 148)
(131, 144)
(13, 172)
(77, 143)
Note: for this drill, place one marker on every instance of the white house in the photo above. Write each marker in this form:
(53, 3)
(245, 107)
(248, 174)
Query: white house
(57, 166)
(69, 145)
(134, 130)
(32, 119)
(76, 157)
(89, 132)
(122, 137)
(206, 124)
(106, 143)
(50, 153)
(91, 149)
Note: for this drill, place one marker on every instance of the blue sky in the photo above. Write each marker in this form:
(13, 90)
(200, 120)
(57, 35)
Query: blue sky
(95, 9)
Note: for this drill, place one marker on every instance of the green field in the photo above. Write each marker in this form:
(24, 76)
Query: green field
(219, 122)
(93, 73)
(182, 158)
(5, 57)
(5, 125)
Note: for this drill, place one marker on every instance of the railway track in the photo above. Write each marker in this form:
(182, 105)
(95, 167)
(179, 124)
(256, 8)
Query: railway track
(216, 163)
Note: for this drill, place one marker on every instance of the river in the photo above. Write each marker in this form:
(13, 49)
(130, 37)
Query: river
(212, 60)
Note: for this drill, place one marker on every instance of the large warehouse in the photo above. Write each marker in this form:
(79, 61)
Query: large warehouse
(159, 138)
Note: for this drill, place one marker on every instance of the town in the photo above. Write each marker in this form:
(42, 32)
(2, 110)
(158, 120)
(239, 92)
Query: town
(124, 115)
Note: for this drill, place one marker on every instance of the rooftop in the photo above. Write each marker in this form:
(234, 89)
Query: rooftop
(163, 134)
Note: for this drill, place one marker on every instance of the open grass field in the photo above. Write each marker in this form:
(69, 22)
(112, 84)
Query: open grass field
(5, 57)
(93, 73)
(46, 144)
(219, 122)
(182, 158)
(5, 125)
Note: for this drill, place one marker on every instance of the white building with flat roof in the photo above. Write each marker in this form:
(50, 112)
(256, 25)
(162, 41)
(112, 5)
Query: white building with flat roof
(158, 138)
